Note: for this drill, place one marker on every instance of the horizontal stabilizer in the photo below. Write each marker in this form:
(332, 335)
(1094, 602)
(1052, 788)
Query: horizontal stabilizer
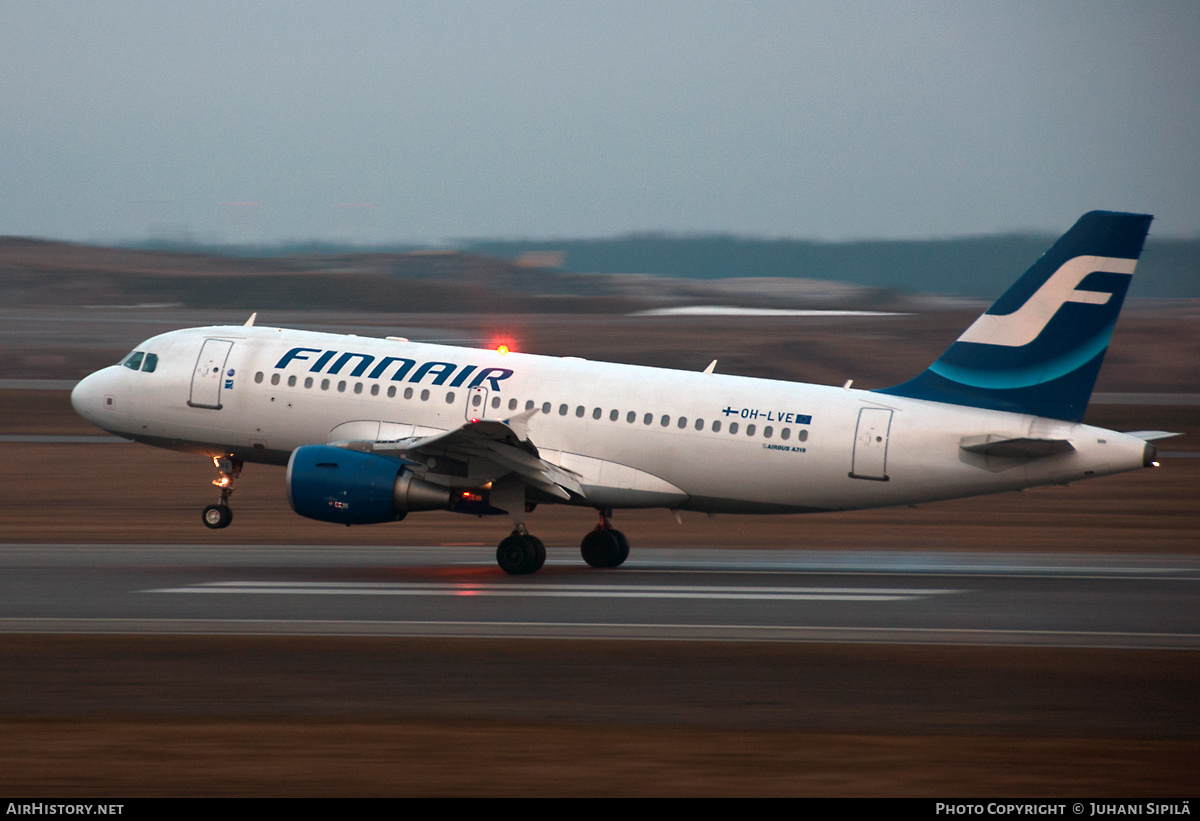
(1151, 435)
(1020, 447)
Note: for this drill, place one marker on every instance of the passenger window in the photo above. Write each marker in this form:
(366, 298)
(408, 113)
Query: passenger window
(785, 434)
(308, 382)
(613, 415)
(134, 361)
(562, 410)
(449, 397)
(579, 412)
(495, 403)
(258, 378)
(425, 396)
(749, 430)
(699, 424)
(358, 387)
(151, 363)
(324, 384)
(391, 391)
(803, 435)
(374, 390)
(291, 381)
(666, 420)
(545, 407)
(648, 419)
(408, 393)
(512, 404)
(716, 426)
(767, 432)
(733, 427)
(342, 386)
(274, 379)
(682, 422)
(629, 417)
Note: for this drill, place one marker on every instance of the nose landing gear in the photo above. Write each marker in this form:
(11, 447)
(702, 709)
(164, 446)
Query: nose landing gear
(219, 515)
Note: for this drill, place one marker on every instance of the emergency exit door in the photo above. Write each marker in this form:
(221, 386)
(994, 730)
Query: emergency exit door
(477, 399)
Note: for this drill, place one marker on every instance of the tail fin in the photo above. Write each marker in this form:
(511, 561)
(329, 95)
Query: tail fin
(1038, 349)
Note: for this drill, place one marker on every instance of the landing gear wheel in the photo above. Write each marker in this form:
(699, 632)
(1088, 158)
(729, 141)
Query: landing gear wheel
(217, 516)
(623, 544)
(603, 548)
(521, 554)
(539, 548)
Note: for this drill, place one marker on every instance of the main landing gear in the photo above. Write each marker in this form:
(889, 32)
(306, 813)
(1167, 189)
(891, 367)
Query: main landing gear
(219, 515)
(521, 553)
(604, 546)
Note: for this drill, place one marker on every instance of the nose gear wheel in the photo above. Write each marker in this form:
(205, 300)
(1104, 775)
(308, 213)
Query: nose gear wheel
(219, 515)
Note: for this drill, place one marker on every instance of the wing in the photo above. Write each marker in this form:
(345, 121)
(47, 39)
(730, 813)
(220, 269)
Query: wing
(476, 453)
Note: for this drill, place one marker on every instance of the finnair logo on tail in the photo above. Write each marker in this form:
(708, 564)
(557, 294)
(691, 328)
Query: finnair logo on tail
(1023, 325)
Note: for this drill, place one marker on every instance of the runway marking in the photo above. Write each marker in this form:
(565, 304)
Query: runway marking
(899, 567)
(700, 568)
(467, 590)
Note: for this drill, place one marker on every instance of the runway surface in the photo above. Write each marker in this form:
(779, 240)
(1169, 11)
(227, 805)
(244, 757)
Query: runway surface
(994, 599)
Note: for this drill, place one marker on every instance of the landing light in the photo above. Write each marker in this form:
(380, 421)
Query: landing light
(502, 349)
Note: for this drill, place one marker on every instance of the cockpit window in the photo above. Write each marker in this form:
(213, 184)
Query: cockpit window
(151, 363)
(134, 360)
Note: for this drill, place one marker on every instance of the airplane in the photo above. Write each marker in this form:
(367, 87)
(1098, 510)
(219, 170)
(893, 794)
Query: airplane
(371, 430)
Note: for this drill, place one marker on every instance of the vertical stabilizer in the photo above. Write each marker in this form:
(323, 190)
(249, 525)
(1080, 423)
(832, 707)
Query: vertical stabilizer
(1039, 348)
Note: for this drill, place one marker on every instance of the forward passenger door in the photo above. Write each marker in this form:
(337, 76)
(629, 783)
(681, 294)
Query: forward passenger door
(209, 374)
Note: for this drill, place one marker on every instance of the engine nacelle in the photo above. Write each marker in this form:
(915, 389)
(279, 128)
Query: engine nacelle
(350, 487)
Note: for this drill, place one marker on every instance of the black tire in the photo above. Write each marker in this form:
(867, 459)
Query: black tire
(600, 548)
(623, 546)
(217, 516)
(520, 555)
(539, 550)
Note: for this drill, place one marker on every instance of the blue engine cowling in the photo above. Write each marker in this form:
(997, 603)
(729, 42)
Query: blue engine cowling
(354, 488)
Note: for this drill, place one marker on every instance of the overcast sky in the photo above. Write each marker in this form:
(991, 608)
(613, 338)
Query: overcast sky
(427, 122)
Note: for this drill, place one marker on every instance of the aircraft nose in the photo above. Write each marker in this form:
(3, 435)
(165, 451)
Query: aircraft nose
(87, 397)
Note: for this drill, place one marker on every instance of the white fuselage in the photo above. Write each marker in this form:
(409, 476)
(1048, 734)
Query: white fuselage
(636, 436)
